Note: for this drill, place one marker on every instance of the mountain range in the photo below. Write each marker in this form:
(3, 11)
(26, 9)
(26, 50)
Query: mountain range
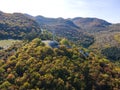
(92, 33)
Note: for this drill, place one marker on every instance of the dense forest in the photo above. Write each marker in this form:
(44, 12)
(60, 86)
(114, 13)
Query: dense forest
(35, 66)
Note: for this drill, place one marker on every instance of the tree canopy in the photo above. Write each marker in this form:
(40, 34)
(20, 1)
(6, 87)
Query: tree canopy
(38, 67)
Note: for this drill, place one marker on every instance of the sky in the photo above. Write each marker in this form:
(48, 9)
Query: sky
(108, 10)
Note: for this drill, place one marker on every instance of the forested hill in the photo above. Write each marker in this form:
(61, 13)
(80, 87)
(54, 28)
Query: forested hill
(36, 66)
(17, 26)
(91, 24)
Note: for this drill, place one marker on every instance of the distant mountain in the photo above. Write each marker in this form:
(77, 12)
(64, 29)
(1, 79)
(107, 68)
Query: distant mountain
(53, 23)
(17, 26)
(91, 24)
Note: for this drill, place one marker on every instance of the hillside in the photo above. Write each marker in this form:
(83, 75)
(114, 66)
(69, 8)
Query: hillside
(35, 66)
(107, 42)
(109, 37)
(17, 26)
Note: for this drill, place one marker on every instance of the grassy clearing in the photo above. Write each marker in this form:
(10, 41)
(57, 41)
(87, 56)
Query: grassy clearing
(7, 43)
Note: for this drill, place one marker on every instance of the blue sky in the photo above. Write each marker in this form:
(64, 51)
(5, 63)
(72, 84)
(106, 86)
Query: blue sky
(104, 9)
